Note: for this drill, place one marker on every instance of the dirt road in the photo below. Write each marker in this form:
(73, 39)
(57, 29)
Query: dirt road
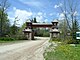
(28, 50)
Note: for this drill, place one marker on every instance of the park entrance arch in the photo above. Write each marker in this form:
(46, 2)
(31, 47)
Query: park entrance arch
(29, 32)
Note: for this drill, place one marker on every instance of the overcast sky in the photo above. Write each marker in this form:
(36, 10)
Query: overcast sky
(43, 10)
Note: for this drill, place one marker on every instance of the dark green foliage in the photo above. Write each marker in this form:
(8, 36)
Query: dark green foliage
(34, 20)
(6, 39)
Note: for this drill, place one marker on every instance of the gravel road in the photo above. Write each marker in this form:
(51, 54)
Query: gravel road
(28, 50)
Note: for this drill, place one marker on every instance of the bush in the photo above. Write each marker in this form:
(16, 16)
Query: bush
(55, 39)
(21, 37)
(6, 39)
(67, 40)
(70, 41)
(46, 34)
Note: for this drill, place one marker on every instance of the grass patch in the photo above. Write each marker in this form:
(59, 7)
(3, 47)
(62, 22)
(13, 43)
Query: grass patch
(9, 40)
(64, 52)
(6, 39)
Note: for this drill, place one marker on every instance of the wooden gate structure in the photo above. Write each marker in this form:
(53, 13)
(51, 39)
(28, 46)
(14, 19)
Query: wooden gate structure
(29, 32)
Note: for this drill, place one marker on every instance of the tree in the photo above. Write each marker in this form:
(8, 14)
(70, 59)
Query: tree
(34, 20)
(22, 28)
(63, 28)
(4, 27)
(75, 27)
(14, 29)
(3, 16)
(69, 9)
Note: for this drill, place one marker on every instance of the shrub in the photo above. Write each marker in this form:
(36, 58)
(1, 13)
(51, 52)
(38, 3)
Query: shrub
(6, 39)
(72, 41)
(19, 37)
(46, 34)
(67, 40)
(55, 39)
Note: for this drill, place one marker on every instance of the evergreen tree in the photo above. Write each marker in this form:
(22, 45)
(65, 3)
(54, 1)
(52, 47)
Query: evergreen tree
(4, 22)
(35, 20)
(14, 29)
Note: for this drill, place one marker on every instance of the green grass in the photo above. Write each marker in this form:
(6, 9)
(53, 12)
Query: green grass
(64, 52)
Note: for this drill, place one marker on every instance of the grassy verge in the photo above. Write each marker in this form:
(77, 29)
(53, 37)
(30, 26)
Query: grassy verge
(64, 52)
(11, 42)
(8, 40)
